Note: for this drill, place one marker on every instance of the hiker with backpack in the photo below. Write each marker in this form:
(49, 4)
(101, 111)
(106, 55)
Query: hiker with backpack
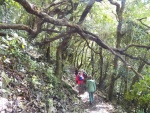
(80, 82)
(85, 79)
(91, 88)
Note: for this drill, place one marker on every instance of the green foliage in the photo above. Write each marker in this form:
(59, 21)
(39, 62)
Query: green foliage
(122, 71)
(40, 74)
(140, 92)
(138, 9)
(76, 1)
(8, 11)
(12, 47)
(36, 81)
(49, 73)
(6, 80)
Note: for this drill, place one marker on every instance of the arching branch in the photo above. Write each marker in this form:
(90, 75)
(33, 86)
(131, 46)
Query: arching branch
(135, 45)
(5, 34)
(103, 45)
(143, 23)
(32, 9)
(17, 27)
(116, 4)
(86, 11)
(50, 30)
(130, 67)
(96, 39)
(62, 35)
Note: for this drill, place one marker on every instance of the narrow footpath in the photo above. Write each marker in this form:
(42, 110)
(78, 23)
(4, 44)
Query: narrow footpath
(98, 106)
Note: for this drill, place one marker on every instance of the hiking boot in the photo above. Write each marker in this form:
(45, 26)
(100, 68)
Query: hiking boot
(90, 103)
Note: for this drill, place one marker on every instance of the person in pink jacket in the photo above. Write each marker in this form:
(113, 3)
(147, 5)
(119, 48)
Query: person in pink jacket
(80, 82)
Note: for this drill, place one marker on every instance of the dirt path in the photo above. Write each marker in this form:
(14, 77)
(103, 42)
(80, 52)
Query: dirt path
(99, 106)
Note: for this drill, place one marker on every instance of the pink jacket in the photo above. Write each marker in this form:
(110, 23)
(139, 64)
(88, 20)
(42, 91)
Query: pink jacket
(79, 81)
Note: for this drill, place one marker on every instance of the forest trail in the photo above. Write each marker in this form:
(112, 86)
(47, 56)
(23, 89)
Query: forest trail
(98, 106)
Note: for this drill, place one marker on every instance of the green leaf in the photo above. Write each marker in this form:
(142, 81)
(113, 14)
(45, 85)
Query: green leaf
(5, 78)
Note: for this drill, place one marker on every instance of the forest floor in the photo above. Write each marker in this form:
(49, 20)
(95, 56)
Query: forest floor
(100, 104)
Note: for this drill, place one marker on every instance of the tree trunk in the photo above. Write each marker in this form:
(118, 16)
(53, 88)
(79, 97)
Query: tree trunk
(119, 11)
(126, 84)
(48, 54)
(111, 88)
(59, 58)
(92, 60)
(101, 68)
(112, 81)
(105, 75)
(136, 77)
(58, 70)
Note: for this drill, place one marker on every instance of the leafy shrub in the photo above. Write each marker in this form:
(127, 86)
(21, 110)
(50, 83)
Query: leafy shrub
(140, 94)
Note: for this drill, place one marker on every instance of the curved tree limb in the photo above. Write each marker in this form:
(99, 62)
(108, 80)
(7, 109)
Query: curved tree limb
(50, 30)
(135, 45)
(116, 4)
(5, 34)
(62, 35)
(86, 11)
(33, 32)
(130, 67)
(120, 52)
(32, 9)
(122, 6)
(102, 44)
(132, 57)
(17, 27)
(54, 4)
(143, 23)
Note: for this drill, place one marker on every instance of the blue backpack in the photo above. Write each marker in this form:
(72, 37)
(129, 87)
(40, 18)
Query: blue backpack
(81, 77)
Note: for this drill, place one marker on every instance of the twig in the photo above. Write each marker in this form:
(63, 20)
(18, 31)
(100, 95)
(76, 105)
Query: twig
(27, 106)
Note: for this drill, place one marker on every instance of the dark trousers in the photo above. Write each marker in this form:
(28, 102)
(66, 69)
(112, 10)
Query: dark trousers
(81, 88)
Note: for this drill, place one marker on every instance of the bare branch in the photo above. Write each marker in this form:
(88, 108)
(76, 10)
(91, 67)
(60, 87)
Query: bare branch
(5, 34)
(54, 4)
(32, 9)
(122, 5)
(86, 11)
(90, 46)
(116, 4)
(130, 67)
(132, 57)
(17, 27)
(62, 35)
(51, 30)
(121, 51)
(143, 23)
(134, 45)
(96, 39)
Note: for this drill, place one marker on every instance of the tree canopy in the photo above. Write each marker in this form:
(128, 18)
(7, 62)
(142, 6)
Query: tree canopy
(108, 38)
